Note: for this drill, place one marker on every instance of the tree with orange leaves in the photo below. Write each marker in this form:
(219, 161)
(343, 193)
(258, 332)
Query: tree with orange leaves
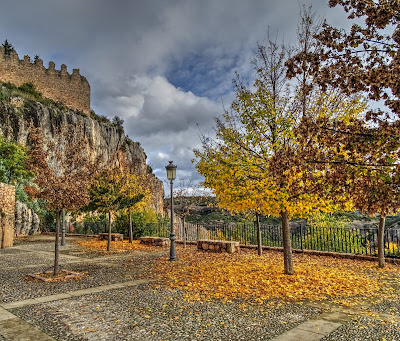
(63, 171)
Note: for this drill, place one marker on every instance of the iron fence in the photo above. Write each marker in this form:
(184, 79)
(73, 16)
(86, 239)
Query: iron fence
(361, 241)
(358, 240)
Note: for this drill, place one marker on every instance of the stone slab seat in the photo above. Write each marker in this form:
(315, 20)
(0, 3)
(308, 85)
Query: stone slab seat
(114, 236)
(157, 241)
(218, 245)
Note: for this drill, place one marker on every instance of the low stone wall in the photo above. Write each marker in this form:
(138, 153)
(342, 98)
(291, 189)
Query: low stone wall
(114, 236)
(156, 241)
(7, 216)
(218, 245)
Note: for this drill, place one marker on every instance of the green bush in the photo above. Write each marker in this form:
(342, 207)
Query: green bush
(99, 118)
(145, 223)
(29, 88)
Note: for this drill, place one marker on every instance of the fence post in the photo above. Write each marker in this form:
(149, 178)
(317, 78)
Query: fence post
(197, 231)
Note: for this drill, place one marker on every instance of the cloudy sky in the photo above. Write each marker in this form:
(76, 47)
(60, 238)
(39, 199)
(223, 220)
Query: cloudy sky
(164, 66)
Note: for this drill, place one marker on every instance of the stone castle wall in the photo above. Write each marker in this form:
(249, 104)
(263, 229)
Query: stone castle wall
(7, 217)
(71, 89)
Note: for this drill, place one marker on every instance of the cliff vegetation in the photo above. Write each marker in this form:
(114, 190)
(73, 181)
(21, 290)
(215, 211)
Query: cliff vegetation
(23, 105)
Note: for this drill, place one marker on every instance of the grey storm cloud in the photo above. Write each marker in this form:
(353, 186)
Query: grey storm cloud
(165, 67)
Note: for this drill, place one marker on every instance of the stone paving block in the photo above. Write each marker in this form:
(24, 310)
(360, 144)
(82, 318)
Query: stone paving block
(18, 330)
(297, 334)
(52, 298)
(336, 317)
(311, 330)
(319, 326)
(19, 304)
(86, 291)
(5, 315)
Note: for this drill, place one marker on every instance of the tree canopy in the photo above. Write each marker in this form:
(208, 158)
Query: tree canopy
(364, 60)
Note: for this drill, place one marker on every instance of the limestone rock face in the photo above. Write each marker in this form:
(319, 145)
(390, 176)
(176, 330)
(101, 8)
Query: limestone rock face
(104, 139)
(26, 221)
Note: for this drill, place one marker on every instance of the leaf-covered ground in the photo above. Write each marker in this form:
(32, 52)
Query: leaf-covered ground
(95, 244)
(245, 275)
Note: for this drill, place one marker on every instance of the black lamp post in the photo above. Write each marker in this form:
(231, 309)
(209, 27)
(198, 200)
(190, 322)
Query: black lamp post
(171, 175)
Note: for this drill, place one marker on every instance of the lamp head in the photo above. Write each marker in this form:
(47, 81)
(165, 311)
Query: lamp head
(171, 171)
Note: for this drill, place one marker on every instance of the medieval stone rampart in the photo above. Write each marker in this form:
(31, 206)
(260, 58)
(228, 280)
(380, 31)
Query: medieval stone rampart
(73, 90)
(7, 218)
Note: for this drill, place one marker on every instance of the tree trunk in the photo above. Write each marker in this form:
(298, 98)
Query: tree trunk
(259, 243)
(109, 232)
(287, 244)
(130, 227)
(381, 242)
(184, 232)
(56, 248)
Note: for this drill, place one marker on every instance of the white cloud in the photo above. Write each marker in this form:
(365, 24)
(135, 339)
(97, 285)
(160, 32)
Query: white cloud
(165, 120)
(162, 66)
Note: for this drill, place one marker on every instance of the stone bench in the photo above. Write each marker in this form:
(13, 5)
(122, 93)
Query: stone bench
(218, 245)
(114, 236)
(156, 241)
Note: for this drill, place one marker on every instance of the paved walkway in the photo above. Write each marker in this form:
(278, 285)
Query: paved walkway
(13, 327)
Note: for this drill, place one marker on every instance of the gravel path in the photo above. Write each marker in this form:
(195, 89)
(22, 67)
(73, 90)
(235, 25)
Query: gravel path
(365, 328)
(14, 286)
(149, 312)
(142, 313)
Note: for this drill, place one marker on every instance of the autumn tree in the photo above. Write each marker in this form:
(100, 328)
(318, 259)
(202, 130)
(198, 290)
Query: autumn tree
(135, 194)
(115, 189)
(64, 171)
(363, 165)
(364, 60)
(258, 147)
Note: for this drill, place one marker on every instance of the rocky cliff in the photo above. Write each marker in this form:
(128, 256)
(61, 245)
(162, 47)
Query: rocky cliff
(104, 138)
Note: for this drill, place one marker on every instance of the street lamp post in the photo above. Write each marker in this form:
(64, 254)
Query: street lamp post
(171, 175)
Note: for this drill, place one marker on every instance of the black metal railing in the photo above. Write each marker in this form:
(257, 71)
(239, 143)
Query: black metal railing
(361, 241)
(358, 240)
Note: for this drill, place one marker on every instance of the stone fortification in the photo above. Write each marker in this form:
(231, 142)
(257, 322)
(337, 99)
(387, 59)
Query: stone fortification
(7, 202)
(73, 90)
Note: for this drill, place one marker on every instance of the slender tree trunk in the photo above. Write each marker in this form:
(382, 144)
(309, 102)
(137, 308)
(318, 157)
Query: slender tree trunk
(259, 243)
(381, 242)
(130, 227)
(56, 248)
(287, 244)
(109, 232)
(184, 232)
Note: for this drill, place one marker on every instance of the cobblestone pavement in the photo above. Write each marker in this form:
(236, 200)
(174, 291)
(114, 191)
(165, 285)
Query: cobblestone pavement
(117, 301)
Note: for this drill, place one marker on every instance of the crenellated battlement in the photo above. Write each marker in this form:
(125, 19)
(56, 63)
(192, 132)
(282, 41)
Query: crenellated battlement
(71, 89)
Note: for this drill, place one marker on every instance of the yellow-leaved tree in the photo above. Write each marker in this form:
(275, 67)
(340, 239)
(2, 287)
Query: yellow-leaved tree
(257, 162)
(115, 189)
